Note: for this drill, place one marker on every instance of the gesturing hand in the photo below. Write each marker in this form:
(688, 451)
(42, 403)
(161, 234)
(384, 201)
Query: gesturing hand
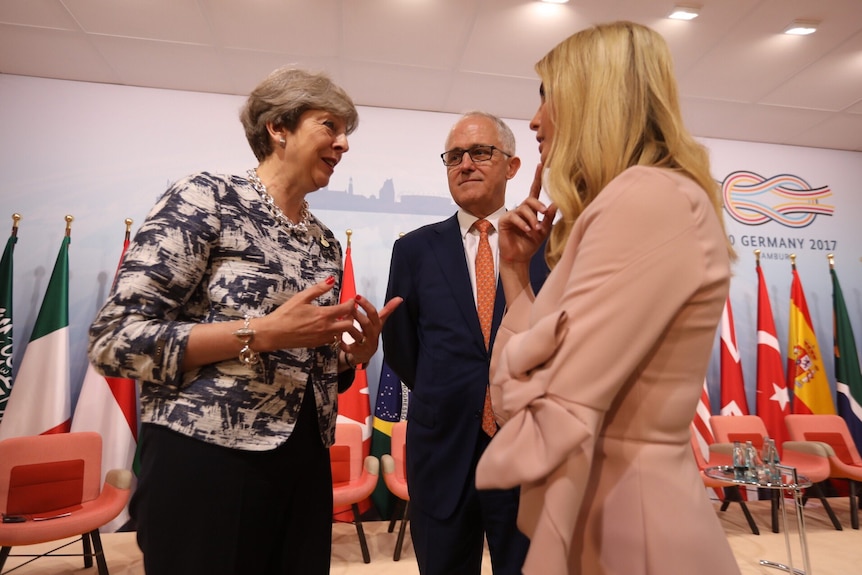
(367, 334)
(521, 231)
(298, 322)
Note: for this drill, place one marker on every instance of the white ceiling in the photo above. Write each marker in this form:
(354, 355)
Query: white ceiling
(740, 78)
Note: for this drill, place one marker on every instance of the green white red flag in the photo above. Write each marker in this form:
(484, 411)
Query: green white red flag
(40, 402)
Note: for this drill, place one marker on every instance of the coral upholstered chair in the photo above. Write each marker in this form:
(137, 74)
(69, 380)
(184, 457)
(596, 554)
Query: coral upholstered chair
(51, 484)
(395, 476)
(844, 459)
(730, 490)
(809, 459)
(353, 478)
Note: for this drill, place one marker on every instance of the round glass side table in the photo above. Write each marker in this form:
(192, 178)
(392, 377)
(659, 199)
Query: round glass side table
(788, 482)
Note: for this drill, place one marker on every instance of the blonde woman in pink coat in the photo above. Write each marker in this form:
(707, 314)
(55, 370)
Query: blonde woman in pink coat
(596, 378)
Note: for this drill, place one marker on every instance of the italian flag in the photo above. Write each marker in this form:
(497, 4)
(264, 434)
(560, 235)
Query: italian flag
(40, 402)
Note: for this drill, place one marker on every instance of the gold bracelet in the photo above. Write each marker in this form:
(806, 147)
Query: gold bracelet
(246, 335)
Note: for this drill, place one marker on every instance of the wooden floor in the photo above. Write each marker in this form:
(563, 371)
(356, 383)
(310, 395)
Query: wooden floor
(831, 552)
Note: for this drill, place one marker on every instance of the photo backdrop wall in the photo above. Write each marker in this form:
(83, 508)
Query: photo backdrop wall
(104, 153)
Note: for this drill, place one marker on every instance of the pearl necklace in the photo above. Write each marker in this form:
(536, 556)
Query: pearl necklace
(300, 228)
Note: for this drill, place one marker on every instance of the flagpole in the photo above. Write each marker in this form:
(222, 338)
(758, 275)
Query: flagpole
(757, 257)
(831, 258)
(15, 219)
(349, 233)
(69, 219)
(128, 222)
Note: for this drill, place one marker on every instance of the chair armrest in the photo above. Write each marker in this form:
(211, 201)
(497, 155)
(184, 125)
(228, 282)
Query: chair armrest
(119, 478)
(721, 448)
(387, 463)
(810, 447)
(372, 465)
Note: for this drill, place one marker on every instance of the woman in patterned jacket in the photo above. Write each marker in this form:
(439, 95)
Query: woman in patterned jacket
(226, 310)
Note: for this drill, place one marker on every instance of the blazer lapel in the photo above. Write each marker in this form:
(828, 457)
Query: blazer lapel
(449, 251)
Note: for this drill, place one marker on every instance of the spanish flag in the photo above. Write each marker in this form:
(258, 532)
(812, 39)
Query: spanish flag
(806, 376)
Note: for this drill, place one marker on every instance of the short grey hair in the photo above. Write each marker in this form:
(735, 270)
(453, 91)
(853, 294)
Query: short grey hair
(283, 96)
(504, 133)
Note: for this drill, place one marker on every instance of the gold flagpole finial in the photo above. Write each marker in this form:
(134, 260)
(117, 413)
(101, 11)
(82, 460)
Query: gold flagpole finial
(401, 235)
(793, 260)
(349, 233)
(831, 258)
(757, 257)
(128, 222)
(15, 219)
(69, 220)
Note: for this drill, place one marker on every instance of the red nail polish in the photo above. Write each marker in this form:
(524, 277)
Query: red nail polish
(330, 280)
(358, 297)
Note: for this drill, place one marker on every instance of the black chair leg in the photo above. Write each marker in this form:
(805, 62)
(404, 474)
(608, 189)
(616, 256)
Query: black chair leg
(99, 552)
(733, 494)
(394, 519)
(729, 496)
(4, 553)
(818, 492)
(854, 505)
(400, 541)
(88, 550)
(361, 532)
(749, 518)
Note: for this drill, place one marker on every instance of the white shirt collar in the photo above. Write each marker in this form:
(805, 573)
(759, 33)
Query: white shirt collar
(466, 220)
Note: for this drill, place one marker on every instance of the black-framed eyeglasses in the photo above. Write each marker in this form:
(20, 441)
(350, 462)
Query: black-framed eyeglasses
(478, 154)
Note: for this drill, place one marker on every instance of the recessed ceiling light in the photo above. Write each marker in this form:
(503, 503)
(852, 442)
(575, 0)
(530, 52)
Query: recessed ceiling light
(684, 12)
(556, 1)
(802, 27)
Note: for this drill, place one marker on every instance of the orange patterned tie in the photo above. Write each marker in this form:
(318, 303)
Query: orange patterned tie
(486, 290)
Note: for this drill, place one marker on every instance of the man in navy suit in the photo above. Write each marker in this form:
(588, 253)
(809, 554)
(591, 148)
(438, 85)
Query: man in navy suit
(435, 344)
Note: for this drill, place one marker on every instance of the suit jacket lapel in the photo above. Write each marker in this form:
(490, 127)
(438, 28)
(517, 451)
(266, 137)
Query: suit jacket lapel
(449, 251)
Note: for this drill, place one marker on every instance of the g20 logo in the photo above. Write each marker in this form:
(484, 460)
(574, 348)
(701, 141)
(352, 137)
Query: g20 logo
(751, 199)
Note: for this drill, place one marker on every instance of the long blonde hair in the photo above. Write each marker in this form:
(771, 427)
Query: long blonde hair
(614, 103)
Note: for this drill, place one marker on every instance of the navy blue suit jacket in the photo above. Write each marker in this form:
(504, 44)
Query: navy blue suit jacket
(434, 343)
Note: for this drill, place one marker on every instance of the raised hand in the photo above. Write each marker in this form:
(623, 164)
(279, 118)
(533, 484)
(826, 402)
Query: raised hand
(522, 230)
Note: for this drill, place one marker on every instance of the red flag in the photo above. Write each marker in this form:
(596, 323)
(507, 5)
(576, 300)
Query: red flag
(773, 400)
(733, 401)
(109, 406)
(806, 375)
(354, 404)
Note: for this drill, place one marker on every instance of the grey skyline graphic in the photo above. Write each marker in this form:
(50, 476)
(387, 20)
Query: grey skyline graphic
(385, 201)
